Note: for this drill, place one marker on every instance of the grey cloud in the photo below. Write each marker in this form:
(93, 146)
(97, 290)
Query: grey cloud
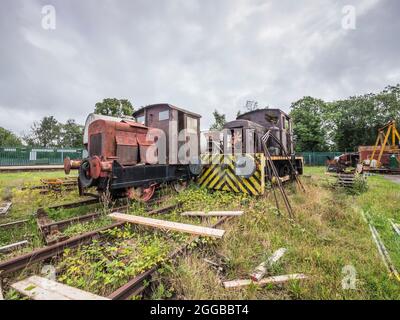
(199, 55)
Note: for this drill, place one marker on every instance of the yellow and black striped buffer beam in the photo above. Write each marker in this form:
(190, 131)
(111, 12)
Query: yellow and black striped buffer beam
(234, 173)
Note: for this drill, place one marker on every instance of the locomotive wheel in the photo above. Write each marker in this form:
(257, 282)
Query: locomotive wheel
(84, 174)
(141, 194)
(179, 185)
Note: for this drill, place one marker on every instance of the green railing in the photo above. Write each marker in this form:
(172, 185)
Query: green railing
(318, 158)
(36, 156)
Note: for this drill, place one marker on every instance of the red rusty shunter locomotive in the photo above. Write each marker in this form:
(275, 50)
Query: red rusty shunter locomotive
(118, 153)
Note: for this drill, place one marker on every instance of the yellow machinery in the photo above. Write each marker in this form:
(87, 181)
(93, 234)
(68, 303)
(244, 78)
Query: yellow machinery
(221, 174)
(382, 141)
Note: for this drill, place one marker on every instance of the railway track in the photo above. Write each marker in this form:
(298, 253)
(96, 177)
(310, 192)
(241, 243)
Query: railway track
(54, 249)
(136, 286)
(49, 230)
(133, 287)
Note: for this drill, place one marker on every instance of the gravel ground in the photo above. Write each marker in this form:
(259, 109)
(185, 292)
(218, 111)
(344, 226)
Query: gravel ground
(393, 178)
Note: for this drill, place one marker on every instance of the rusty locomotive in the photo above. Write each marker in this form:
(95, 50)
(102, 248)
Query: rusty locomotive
(124, 154)
(125, 158)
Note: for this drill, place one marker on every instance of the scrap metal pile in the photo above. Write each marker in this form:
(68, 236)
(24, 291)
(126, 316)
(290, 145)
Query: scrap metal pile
(383, 157)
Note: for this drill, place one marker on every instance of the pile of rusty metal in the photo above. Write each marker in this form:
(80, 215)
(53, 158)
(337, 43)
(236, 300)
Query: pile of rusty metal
(346, 162)
(54, 185)
(383, 157)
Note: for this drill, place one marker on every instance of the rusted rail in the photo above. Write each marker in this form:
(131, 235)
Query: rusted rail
(165, 209)
(13, 224)
(136, 285)
(41, 254)
(74, 204)
(62, 224)
(133, 287)
(54, 184)
(49, 228)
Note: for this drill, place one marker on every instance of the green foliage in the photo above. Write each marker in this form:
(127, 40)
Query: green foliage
(251, 105)
(9, 139)
(309, 130)
(44, 133)
(360, 185)
(343, 124)
(79, 228)
(114, 107)
(49, 133)
(161, 292)
(328, 234)
(219, 121)
(356, 120)
(101, 267)
(71, 135)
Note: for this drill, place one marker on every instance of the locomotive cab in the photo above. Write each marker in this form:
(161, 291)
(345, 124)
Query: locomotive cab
(124, 156)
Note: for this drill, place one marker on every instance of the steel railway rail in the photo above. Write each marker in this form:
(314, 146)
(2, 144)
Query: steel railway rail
(131, 288)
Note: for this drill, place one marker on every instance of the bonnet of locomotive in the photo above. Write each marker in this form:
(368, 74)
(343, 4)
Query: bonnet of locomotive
(93, 117)
(110, 141)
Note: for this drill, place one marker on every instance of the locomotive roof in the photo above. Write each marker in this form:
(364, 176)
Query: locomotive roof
(169, 106)
(264, 109)
(246, 124)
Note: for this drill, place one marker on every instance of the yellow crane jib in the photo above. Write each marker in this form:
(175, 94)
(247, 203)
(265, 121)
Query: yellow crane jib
(383, 138)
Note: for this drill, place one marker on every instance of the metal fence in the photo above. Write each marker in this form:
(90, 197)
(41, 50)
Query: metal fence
(318, 158)
(46, 156)
(36, 156)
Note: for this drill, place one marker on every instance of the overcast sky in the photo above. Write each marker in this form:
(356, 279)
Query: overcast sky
(198, 55)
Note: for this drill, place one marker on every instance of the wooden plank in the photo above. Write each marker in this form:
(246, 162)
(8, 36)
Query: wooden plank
(136, 285)
(5, 207)
(383, 252)
(174, 226)
(395, 227)
(38, 288)
(13, 224)
(265, 281)
(212, 213)
(193, 213)
(262, 268)
(13, 246)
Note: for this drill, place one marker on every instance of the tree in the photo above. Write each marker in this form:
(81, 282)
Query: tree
(9, 139)
(355, 121)
(308, 124)
(114, 107)
(44, 133)
(71, 135)
(344, 124)
(251, 105)
(219, 121)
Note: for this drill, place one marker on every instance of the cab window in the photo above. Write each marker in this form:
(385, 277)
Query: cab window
(163, 115)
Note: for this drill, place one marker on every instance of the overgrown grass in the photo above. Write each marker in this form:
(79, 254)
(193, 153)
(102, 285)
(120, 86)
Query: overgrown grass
(327, 235)
(106, 264)
(26, 202)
